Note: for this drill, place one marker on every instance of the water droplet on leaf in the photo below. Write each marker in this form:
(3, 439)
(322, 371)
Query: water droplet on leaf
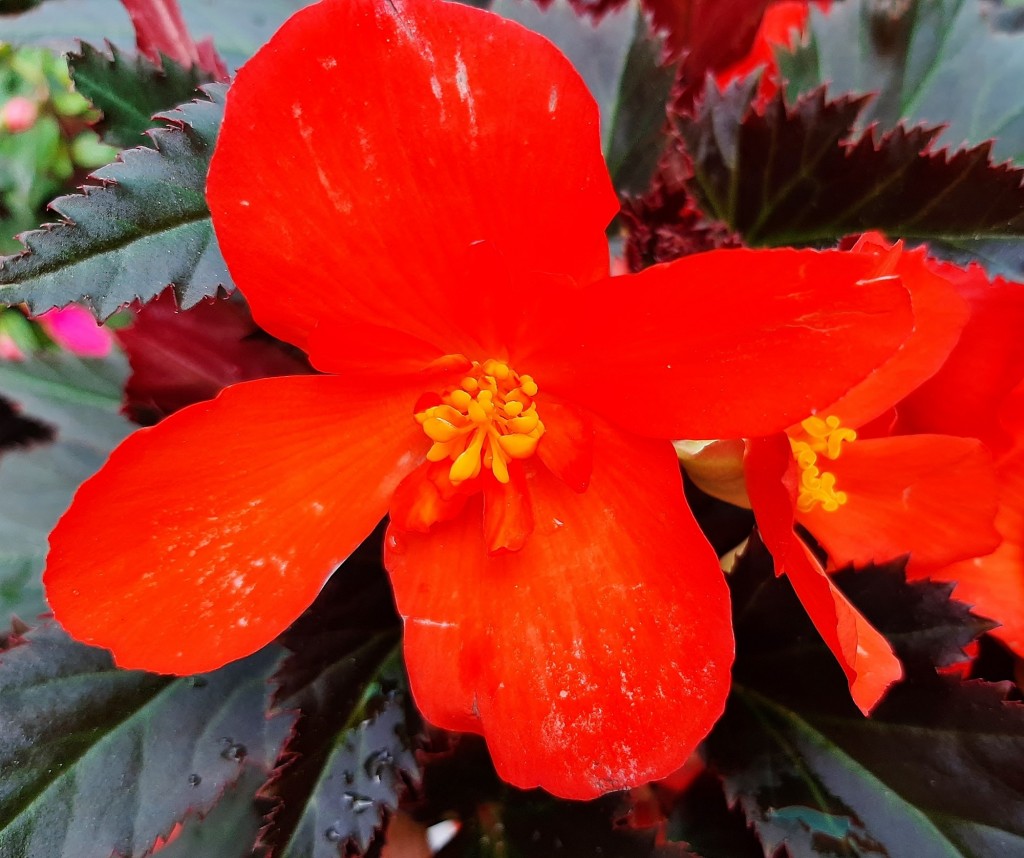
(358, 803)
(236, 752)
(333, 835)
(194, 780)
(377, 762)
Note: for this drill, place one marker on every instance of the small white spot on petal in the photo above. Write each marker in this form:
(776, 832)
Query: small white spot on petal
(553, 99)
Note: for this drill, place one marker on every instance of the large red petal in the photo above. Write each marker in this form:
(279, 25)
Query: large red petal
(965, 396)
(940, 314)
(726, 344)
(206, 536)
(930, 496)
(597, 656)
(371, 142)
(865, 656)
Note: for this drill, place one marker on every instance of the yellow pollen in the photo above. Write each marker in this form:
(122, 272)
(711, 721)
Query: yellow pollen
(484, 423)
(823, 437)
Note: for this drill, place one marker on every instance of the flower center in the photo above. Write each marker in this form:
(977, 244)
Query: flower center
(822, 438)
(487, 421)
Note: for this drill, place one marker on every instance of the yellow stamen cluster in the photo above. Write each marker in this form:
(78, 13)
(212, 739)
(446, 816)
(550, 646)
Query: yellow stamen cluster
(823, 438)
(487, 421)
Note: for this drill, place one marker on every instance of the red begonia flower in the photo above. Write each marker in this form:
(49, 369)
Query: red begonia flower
(865, 495)
(414, 193)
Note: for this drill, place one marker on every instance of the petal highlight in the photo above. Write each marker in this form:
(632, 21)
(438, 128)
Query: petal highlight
(205, 536)
(597, 656)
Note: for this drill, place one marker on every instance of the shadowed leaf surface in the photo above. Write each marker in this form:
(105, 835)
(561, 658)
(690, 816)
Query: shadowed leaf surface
(227, 831)
(342, 768)
(459, 782)
(179, 358)
(793, 175)
(146, 226)
(156, 748)
(130, 91)
(78, 400)
(937, 770)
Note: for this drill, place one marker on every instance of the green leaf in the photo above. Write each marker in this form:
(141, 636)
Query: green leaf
(227, 831)
(344, 764)
(144, 228)
(793, 175)
(80, 400)
(618, 58)
(129, 91)
(938, 769)
(99, 761)
(238, 27)
(939, 62)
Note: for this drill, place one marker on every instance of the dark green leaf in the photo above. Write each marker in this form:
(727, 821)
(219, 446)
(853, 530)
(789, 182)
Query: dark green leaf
(98, 761)
(618, 57)
(238, 27)
(793, 176)
(145, 227)
(229, 830)
(344, 763)
(79, 400)
(938, 770)
(459, 782)
(937, 62)
(701, 818)
(130, 91)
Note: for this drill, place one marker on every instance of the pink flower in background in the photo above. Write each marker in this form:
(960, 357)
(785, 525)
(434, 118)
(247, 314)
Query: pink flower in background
(18, 114)
(75, 330)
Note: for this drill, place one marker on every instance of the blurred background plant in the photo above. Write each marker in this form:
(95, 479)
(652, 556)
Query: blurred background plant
(46, 144)
(46, 148)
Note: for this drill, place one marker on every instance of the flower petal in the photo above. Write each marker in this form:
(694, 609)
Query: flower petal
(597, 656)
(726, 344)
(930, 496)
(964, 397)
(994, 584)
(940, 314)
(206, 536)
(865, 656)
(371, 142)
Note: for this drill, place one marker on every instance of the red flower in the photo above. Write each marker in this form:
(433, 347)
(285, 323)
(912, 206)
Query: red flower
(414, 193)
(979, 393)
(782, 25)
(866, 494)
